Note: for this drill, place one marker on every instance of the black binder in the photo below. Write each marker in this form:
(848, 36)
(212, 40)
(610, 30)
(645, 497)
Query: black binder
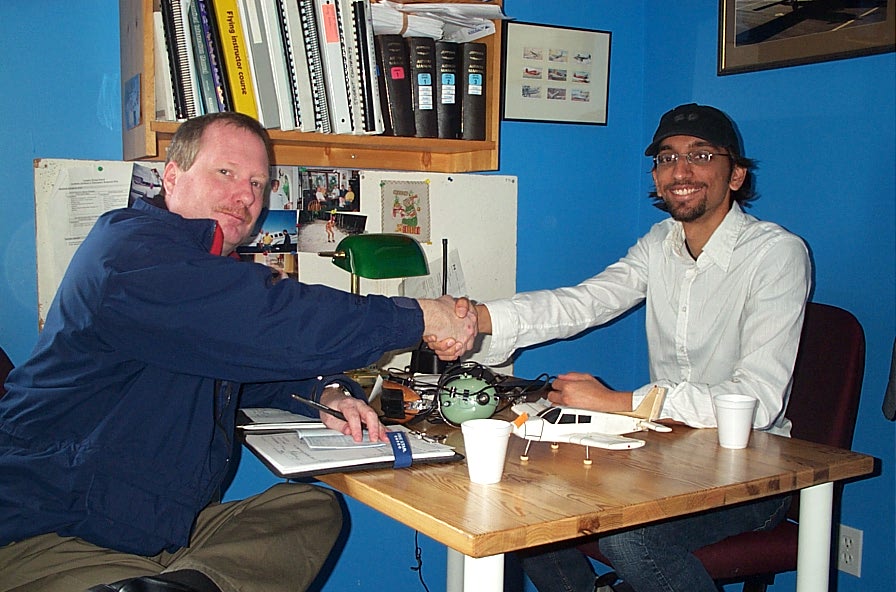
(421, 58)
(392, 57)
(447, 85)
(474, 60)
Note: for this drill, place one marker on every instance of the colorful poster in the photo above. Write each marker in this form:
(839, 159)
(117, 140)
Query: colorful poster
(406, 208)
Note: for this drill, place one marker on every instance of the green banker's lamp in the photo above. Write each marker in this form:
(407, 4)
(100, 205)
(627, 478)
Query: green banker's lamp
(379, 257)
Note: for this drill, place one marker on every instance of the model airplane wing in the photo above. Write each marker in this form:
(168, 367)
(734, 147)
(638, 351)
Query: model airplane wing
(608, 441)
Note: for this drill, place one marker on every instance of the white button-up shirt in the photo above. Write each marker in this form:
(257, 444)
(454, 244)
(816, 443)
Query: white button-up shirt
(728, 322)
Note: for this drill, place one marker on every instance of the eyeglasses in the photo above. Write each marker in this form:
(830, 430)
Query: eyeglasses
(695, 157)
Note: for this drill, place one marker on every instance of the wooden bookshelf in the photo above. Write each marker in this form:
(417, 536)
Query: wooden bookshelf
(149, 139)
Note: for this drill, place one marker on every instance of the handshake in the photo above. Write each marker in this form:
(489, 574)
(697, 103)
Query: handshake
(450, 326)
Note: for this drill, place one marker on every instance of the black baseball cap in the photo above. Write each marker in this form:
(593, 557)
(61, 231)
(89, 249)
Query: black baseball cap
(700, 121)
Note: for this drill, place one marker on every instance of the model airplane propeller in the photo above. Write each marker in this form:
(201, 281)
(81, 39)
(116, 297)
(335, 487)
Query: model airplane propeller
(543, 422)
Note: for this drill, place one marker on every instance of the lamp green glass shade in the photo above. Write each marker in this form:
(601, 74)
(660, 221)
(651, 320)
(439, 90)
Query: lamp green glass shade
(381, 256)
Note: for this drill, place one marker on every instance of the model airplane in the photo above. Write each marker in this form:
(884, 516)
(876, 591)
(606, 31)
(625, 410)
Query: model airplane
(544, 422)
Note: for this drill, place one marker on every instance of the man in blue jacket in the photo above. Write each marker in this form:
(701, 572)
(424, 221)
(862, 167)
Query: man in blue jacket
(118, 432)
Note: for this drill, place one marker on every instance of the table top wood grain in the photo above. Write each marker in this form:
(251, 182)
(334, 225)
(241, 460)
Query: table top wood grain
(554, 496)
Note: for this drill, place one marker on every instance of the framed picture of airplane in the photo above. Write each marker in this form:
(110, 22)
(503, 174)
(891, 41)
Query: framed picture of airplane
(555, 74)
(763, 34)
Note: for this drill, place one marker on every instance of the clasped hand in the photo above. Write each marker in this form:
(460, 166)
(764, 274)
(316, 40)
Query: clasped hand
(450, 326)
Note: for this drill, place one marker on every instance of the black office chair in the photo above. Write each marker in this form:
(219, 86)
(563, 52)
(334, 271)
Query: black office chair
(824, 403)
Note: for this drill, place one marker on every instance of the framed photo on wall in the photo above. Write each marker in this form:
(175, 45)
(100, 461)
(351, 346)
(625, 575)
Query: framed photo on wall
(555, 74)
(762, 34)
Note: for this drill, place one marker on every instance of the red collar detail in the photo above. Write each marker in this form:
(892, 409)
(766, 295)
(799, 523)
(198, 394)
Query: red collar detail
(217, 241)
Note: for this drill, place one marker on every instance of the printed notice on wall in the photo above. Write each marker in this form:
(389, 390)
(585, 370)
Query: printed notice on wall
(69, 196)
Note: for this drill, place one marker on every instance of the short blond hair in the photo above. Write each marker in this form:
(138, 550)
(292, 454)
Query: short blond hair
(188, 139)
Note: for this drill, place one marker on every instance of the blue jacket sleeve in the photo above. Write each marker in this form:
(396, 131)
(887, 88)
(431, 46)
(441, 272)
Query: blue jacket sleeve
(277, 394)
(233, 322)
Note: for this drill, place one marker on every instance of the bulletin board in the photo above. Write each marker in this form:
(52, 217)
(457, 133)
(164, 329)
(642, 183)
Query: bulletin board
(475, 214)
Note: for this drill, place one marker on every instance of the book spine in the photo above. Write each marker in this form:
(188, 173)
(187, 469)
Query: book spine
(165, 110)
(422, 63)
(207, 91)
(273, 32)
(260, 63)
(236, 60)
(392, 52)
(388, 130)
(188, 61)
(348, 36)
(212, 40)
(308, 15)
(447, 103)
(297, 68)
(172, 22)
(334, 66)
(473, 76)
(373, 114)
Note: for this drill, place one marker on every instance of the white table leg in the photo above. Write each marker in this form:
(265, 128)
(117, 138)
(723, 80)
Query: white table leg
(455, 582)
(814, 552)
(484, 574)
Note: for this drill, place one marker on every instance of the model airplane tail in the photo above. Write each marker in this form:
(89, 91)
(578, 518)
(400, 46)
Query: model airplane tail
(651, 406)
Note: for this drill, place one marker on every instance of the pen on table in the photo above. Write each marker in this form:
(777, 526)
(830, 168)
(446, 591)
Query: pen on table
(320, 407)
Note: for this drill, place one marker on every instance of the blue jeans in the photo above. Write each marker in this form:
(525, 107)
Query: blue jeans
(655, 558)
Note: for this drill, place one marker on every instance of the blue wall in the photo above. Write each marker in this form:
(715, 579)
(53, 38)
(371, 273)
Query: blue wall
(823, 133)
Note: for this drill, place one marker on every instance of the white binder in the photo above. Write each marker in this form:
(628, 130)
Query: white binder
(273, 29)
(295, 47)
(357, 31)
(334, 66)
(260, 60)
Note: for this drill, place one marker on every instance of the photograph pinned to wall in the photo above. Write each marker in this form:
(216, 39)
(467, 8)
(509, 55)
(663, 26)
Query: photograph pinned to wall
(146, 181)
(324, 190)
(329, 206)
(765, 35)
(322, 231)
(275, 245)
(285, 192)
(406, 208)
(555, 74)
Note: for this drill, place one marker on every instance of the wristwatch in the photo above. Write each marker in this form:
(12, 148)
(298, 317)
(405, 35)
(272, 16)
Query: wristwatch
(340, 386)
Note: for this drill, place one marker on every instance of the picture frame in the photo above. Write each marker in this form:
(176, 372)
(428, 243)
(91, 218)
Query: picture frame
(760, 35)
(555, 74)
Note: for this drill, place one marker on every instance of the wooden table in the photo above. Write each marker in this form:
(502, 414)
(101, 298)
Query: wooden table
(554, 496)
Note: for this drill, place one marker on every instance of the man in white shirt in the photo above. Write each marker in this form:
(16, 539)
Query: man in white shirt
(724, 294)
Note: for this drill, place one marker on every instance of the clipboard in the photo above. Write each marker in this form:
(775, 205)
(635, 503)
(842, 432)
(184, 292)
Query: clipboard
(287, 455)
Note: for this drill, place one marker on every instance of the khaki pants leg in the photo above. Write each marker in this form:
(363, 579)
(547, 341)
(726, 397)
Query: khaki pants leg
(275, 541)
(51, 563)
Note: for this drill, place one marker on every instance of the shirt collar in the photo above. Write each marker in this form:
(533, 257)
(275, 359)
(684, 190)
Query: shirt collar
(719, 249)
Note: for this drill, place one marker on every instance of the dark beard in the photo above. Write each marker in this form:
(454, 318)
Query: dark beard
(685, 214)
